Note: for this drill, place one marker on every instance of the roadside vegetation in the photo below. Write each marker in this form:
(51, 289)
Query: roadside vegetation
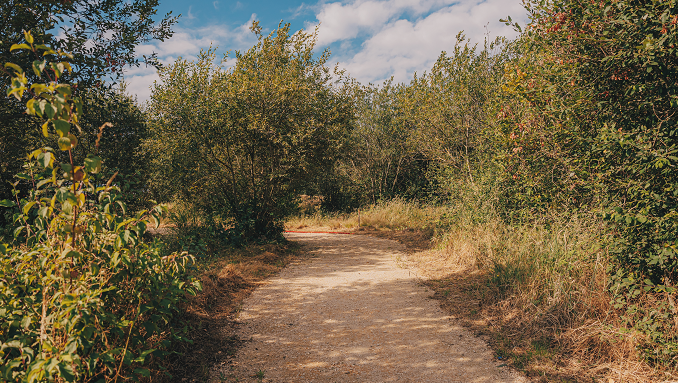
(533, 180)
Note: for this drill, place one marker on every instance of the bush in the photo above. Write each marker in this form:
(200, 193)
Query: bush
(240, 144)
(603, 97)
(83, 297)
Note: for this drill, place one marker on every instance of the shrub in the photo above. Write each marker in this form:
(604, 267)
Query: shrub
(239, 144)
(606, 106)
(83, 297)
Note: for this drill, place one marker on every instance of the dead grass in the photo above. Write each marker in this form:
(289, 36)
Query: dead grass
(540, 296)
(227, 279)
(395, 214)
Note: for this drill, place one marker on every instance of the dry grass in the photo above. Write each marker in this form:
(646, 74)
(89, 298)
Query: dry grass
(540, 294)
(537, 293)
(395, 214)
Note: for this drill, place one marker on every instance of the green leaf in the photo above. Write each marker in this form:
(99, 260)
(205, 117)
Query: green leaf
(26, 322)
(19, 46)
(36, 371)
(66, 371)
(45, 131)
(64, 89)
(122, 206)
(17, 231)
(27, 207)
(57, 68)
(7, 203)
(15, 67)
(64, 143)
(92, 164)
(38, 67)
(45, 211)
(62, 127)
(43, 182)
(143, 372)
(45, 159)
(28, 36)
(49, 110)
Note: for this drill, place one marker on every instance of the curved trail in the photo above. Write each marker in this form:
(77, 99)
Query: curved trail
(350, 314)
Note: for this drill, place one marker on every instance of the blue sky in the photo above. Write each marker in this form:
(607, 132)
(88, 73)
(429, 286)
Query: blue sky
(372, 39)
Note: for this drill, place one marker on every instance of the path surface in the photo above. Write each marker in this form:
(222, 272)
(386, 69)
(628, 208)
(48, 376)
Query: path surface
(351, 314)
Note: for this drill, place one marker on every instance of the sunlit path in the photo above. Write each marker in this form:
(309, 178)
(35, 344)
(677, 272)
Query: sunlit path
(350, 314)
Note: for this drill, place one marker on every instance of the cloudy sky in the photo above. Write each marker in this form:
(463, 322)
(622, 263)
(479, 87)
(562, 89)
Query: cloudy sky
(372, 39)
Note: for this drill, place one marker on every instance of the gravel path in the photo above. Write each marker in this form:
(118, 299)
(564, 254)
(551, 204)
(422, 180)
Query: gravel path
(351, 314)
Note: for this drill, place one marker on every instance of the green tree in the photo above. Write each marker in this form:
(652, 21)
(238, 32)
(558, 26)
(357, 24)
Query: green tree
(449, 106)
(240, 143)
(382, 163)
(102, 37)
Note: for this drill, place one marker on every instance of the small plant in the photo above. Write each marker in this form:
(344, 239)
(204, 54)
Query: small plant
(260, 375)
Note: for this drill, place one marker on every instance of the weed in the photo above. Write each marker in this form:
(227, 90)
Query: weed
(260, 375)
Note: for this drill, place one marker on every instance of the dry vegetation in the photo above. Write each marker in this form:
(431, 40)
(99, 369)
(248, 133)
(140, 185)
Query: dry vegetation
(227, 277)
(396, 214)
(538, 294)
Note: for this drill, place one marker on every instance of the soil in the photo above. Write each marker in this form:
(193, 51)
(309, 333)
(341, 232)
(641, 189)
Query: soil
(353, 313)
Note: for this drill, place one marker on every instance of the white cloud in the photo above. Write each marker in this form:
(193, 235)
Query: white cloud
(404, 36)
(216, 5)
(186, 43)
(372, 39)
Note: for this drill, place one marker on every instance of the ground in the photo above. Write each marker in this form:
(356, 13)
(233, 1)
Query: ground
(353, 312)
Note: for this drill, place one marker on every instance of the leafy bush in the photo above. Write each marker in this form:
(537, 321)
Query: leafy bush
(83, 296)
(239, 144)
(606, 103)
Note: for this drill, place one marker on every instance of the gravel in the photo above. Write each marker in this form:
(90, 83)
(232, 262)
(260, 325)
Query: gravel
(351, 313)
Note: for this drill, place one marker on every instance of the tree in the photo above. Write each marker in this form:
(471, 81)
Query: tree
(102, 37)
(450, 104)
(240, 143)
(382, 162)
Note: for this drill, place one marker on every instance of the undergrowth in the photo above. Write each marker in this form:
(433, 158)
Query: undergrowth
(228, 274)
(395, 214)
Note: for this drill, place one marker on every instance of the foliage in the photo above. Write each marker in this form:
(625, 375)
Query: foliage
(615, 127)
(424, 138)
(450, 106)
(83, 297)
(541, 151)
(240, 143)
(102, 37)
(381, 163)
(119, 142)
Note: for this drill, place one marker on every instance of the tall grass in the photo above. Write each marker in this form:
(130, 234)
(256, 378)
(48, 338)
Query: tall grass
(393, 214)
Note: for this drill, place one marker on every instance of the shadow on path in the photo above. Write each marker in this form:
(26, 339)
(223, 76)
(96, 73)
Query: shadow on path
(350, 314)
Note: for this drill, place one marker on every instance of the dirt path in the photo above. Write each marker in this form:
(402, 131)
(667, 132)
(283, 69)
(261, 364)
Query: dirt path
(351, 314)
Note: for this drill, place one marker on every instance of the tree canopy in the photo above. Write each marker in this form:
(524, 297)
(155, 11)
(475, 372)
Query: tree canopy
(239, 143)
